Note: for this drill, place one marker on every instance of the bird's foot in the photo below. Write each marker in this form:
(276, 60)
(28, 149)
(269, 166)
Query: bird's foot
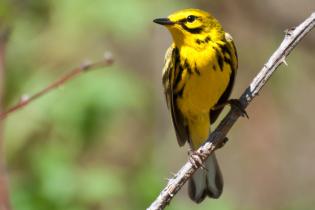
(195, 158)
(233, 103)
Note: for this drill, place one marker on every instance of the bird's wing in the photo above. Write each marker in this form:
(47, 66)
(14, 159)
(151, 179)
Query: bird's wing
(169, 75)
(232, 49)
(233, 62)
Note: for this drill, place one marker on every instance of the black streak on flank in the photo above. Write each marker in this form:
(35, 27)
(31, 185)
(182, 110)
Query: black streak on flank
(177, 67)
(177, 61)
(226, 51)
(197, 70)
(178, 76)
(176, 54)
(219, 58)
(198, 41)
(220, 61)
(207, 39)
(187, 66)
(227, 60)
(180, 92)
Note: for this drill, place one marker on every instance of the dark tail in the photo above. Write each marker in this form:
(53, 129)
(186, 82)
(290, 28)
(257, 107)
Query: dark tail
(206, 182)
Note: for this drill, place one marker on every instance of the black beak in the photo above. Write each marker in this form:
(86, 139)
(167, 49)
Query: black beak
(163, 21)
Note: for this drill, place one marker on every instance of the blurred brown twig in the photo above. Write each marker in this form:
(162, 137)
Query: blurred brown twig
(107, 61)
(292, 38)
(4, 192)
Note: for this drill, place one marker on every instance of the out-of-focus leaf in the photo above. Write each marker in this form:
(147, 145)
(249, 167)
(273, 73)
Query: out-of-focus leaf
(97, 185)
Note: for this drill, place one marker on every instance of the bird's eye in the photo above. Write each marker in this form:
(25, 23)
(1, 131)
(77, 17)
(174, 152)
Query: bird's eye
(191, 18)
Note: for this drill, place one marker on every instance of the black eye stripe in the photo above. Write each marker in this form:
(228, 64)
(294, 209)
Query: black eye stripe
(182, 20)
(197, 30)
(183, 23)
(190, 19)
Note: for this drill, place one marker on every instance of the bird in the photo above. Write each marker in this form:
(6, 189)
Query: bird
(198, 77)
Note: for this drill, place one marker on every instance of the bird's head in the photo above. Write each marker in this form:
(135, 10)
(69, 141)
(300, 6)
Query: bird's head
(190, 25)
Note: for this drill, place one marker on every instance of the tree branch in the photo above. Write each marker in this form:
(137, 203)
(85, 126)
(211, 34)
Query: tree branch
(4, 192)
(107, 61)
(291, 39)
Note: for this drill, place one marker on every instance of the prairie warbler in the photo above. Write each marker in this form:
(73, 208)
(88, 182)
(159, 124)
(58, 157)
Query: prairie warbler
(198, 77)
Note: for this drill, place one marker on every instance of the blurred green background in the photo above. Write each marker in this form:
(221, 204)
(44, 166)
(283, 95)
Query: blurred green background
(105, 139)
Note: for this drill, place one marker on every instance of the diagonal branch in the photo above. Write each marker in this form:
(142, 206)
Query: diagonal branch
(107, 61)
(291, 39)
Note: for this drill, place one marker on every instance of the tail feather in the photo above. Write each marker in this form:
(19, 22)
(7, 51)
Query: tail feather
(207, 182)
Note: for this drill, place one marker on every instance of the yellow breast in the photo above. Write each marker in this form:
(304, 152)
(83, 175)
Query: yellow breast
(205, 85)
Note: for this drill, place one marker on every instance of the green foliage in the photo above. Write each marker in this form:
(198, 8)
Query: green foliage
(56, 147)
(56, 131)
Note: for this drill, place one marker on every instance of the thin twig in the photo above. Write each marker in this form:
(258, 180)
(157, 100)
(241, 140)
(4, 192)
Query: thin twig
(4, 191)
(291, 39)
(107, 61)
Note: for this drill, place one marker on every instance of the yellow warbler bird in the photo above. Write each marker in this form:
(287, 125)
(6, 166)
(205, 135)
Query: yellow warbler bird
(198, 77)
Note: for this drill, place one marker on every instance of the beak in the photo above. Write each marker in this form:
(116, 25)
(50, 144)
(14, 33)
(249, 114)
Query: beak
(163, 21)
